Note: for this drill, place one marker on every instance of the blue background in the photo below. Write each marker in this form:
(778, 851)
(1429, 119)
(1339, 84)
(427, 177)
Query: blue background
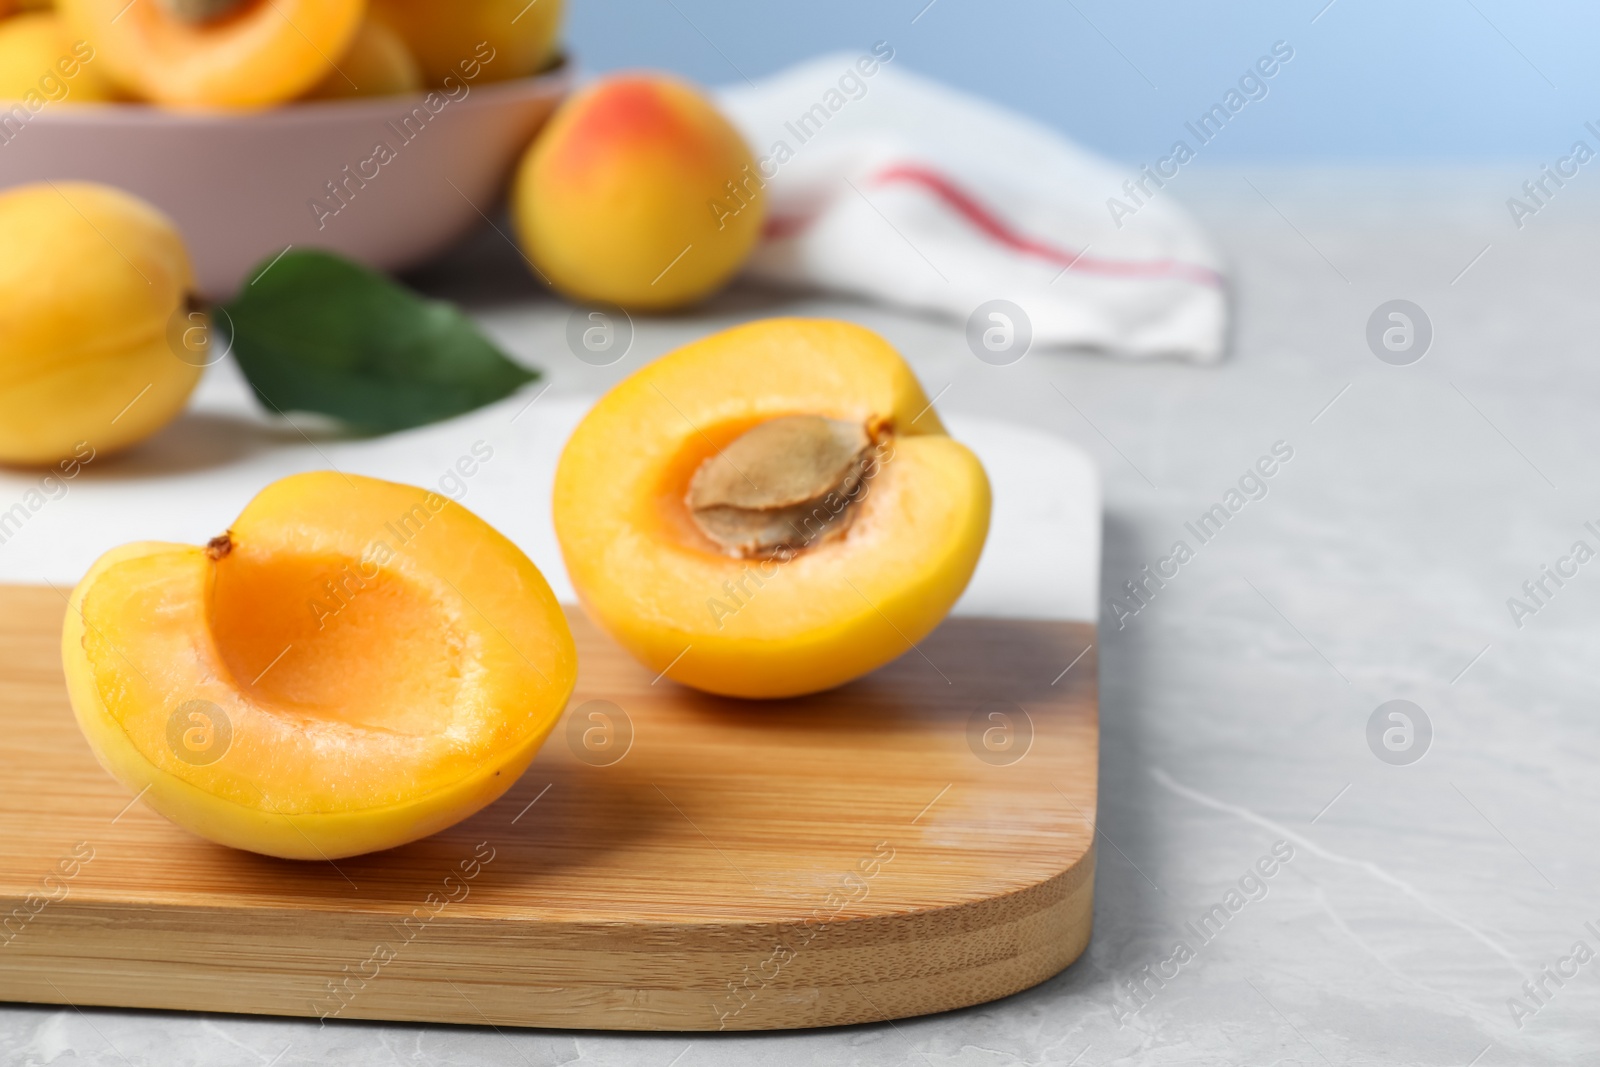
(1371, 80)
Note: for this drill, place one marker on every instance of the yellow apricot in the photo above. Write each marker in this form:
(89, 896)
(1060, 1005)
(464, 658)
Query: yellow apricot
(41, 62)
(355, 664)
(485, 40)
(873, 543)
(638, 193)
(91, 282)
(377, 63)
(249, 54)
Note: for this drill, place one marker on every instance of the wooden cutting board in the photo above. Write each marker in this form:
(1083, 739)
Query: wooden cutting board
(916, 841)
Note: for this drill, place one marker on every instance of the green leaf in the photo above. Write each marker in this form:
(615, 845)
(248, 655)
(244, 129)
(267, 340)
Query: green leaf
(316, 332)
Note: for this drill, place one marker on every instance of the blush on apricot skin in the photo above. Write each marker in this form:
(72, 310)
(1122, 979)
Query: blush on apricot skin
(639, 193)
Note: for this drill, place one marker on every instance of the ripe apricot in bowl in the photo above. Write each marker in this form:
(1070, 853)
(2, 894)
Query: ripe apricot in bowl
(94, 285)
(377, 62)
(518, 35)
(773, 510)
(216, 53)
(638, 193)
(355, 664)
(41, 62)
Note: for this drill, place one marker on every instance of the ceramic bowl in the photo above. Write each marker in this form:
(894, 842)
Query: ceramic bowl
(389, 181)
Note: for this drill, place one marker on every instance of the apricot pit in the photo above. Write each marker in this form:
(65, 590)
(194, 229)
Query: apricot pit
(783, 485)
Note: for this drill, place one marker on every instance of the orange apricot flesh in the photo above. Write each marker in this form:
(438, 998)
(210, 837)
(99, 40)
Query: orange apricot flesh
(356, 664)
(799, 620)
(261, 52)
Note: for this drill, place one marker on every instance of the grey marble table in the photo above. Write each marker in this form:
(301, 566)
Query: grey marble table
(1418, 897)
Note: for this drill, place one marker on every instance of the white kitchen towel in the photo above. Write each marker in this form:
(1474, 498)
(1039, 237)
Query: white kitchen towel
(887, 185)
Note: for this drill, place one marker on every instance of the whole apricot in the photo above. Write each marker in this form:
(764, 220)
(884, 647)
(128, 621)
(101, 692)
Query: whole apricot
(216, 53)
(93, 284)
(773, 510)
(639, 193)
(495, 39)
(377, 63)
(355, 664)
(42, 63)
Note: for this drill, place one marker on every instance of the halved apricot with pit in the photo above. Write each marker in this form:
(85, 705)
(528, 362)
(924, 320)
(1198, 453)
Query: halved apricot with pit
(771, 511)
(217, 53)
(354, 665)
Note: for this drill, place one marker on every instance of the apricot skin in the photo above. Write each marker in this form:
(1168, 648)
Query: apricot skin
(409, 699)
(767, 628)
(90, 280)
(41, 62)
(377, 63)
(521, 35)
(267, 53)
(628, 197)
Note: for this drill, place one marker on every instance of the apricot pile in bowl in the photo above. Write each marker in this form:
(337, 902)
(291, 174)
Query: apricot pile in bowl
(354, 665)
(770, 511)
(256, 53)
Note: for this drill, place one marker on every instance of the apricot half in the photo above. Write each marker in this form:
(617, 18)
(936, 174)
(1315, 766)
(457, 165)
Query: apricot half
(217, 53)
(355, 664)
(638, 193)
(770, 511)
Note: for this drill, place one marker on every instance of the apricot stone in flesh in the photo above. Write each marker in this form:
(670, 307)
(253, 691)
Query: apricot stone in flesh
(356, 664)
(497, 39)
(754, 496)
(377, 63)
(773, 510)
(252, 54)
(638, 193)
(93, 282)
(42, 63)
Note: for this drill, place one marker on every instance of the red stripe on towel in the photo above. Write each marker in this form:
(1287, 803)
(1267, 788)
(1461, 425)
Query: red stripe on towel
(991, 224)
(969, 208)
